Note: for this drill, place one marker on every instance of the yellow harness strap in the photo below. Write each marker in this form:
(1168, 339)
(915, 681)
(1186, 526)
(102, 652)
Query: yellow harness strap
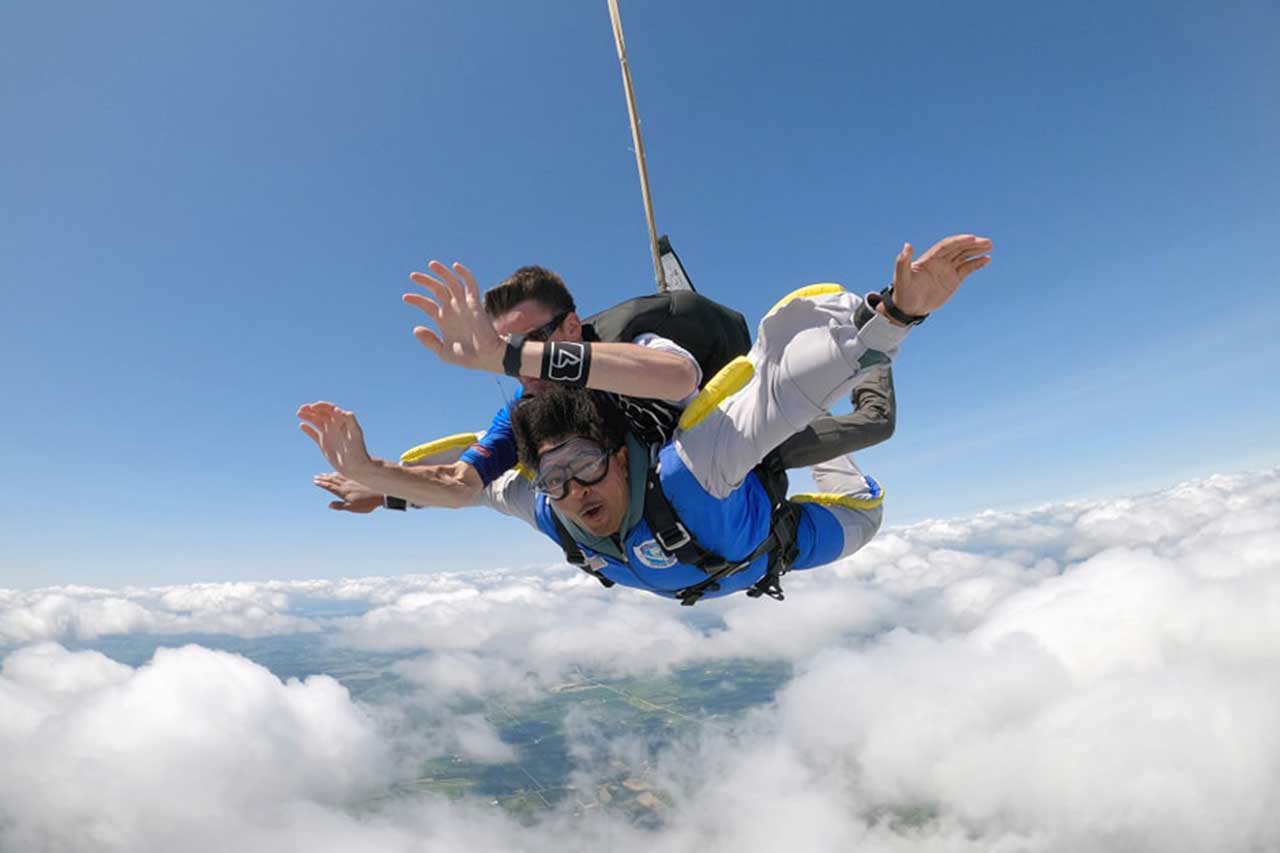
(440, 445)
(728, 381)
(832, 499)
(808, 290)
(423, 452)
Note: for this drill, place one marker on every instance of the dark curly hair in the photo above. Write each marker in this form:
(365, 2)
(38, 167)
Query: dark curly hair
(537, 283)
(564, 411)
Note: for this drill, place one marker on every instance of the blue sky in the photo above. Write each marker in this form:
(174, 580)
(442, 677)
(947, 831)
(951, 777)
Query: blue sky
(208, 213)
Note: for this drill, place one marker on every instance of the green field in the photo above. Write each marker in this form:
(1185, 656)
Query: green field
(654, 711)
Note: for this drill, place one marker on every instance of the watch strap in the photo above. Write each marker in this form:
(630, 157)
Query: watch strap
(511, 357)
(886, 296)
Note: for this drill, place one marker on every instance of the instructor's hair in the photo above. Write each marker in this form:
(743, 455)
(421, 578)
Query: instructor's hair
(537, 283)
(564, 411)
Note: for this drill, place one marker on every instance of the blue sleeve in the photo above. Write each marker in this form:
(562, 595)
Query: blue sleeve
(495, 453)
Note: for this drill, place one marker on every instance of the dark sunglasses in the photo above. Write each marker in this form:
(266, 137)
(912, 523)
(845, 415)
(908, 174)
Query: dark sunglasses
(577, 459)
(548, 328)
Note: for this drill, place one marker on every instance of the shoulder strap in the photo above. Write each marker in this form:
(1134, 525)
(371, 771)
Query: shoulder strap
(674, 538)
(572, 553)
(670, 532)
(782, 527)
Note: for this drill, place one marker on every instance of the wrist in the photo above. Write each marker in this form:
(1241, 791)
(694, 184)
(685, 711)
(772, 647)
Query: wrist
(364, 471)
(513, 355)
(880, 309)
(896, 313)
(568, 362)
(494, 358)
(531, 358)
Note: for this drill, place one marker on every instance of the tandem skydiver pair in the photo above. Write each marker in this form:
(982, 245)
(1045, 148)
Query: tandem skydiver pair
(688, 505)
(660, 350)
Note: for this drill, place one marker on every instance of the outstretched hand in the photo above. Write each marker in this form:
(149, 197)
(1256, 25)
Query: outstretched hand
(352, 497)
(925, 285)
(466, 336)
(338, 435)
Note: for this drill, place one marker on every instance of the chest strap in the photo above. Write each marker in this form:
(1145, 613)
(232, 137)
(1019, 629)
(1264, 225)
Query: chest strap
(674, 538)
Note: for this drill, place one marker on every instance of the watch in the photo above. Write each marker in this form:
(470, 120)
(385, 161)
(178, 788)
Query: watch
(886, 297)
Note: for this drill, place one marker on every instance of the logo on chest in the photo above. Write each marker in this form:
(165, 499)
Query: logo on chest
(651, 554)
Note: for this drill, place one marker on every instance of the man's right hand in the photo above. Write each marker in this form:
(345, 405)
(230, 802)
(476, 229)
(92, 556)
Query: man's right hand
(352, 497)
(467, 337)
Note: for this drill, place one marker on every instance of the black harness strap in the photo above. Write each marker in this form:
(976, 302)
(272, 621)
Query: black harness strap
(574, 555)
(780, 544)
(671, 533)
(786, 518)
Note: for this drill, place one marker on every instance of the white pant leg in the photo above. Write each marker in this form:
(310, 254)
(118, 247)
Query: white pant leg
(806, 356)
(841, 476)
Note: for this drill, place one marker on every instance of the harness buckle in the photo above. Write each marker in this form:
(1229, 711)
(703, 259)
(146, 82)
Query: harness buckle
(691, 595)
(773, 590)
(683, 533)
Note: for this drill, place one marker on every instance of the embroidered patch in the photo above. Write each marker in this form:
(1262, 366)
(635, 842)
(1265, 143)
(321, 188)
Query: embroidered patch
(651, 554)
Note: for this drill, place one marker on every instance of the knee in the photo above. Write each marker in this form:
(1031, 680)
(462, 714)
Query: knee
(881, 420)
(860, 527)
(876, 402)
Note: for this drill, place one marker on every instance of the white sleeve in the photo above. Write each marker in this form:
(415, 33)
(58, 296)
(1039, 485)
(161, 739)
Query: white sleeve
(652, 341)
(512, 494)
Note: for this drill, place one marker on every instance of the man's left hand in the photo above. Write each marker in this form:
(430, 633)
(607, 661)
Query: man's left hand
(466, 336)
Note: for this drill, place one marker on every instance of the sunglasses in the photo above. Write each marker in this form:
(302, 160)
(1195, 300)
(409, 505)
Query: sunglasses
(547, 329)
(577, 459)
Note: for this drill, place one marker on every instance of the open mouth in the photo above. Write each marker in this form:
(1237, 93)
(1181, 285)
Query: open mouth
(593, 512)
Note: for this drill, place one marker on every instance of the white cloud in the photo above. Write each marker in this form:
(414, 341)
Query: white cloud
(1087, 676)
(192, 745)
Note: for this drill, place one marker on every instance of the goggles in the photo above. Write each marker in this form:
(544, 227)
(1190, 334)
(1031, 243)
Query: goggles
(578, 459)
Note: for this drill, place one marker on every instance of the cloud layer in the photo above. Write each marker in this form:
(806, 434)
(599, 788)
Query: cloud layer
(1101, 675)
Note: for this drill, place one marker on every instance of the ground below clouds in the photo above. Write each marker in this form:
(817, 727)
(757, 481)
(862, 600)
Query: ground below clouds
(1100, 676)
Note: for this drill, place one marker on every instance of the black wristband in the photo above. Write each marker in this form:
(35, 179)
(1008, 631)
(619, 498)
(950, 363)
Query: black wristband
(511, 357)
(395, 503)
(886, 296)
(566, 361)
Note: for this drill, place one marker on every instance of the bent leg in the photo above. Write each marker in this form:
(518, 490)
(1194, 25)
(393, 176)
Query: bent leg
(830, 436)
(807, 355)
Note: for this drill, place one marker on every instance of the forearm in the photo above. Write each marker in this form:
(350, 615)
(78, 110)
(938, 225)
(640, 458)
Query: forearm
(455, 485)
(628, 369)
